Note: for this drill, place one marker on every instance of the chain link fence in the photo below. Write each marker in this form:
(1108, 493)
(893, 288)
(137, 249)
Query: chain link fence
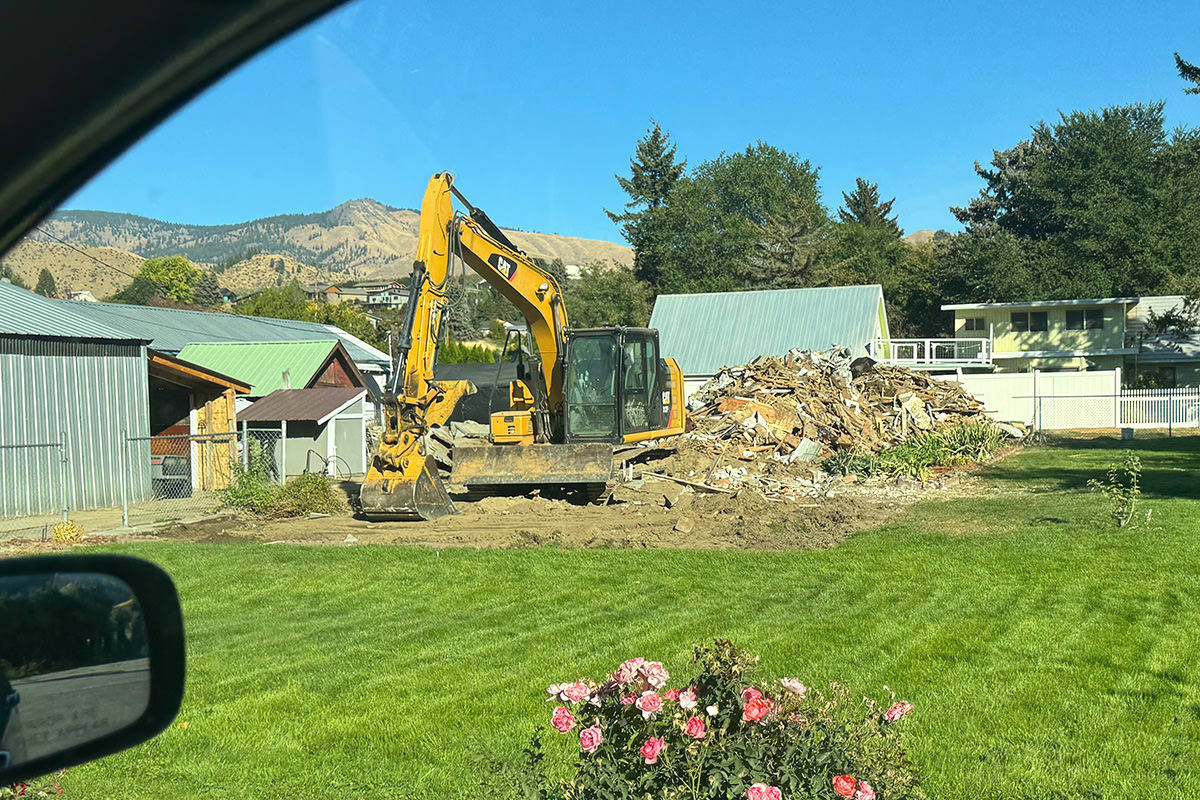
(34, 489)
(188, 473)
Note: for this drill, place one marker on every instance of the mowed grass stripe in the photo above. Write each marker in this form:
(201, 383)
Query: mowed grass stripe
(1049, 657)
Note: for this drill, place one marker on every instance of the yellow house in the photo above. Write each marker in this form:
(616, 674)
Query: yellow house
(1091, 334)
(1049, 334)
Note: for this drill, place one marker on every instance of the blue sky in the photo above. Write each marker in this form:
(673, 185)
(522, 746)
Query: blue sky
(534, 106)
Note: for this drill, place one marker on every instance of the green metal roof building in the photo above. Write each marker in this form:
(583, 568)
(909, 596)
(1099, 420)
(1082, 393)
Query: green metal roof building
(262, 364)
(705, 332)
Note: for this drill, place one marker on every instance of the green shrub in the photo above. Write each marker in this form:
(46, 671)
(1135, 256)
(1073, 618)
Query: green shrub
(253, 490)
(459, 353)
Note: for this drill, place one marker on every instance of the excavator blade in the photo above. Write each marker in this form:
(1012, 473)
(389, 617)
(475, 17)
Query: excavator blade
(387, 496)
(549, 464)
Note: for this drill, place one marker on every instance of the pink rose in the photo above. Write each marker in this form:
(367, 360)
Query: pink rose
(655, 674)
(590, 739)
(553, 690)
(750, 693)
(563, 720)
(695, 728)
(576, 692)
(897, 711)
(628, 671)
(794, 686)
(651, 748)
(844, 785)
(649, 703)
(687, 699)
(865, 792)
(628, 699)
(756, 709)
(761, 791)
(672, 695)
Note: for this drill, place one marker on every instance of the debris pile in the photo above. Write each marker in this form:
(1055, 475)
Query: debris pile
(810, 403)
(766, 424)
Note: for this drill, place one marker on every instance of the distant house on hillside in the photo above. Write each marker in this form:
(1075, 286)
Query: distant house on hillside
(373, 296)
(705, 332)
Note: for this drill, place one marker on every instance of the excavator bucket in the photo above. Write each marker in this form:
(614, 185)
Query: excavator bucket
(394, 496)
(546, 464)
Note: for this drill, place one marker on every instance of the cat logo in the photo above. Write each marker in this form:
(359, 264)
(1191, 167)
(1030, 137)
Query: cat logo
(504, 265)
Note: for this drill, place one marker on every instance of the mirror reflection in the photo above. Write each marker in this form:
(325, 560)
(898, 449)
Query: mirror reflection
(74, 662)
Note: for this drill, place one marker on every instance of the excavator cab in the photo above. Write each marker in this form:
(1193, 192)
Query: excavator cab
(616, 388)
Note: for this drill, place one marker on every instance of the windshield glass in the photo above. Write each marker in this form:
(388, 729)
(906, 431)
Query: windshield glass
(895, 500)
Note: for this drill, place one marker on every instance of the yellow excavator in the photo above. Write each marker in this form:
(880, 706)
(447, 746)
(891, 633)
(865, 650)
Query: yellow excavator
(589, 389)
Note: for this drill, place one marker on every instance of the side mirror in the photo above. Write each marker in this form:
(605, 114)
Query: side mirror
(91, 659)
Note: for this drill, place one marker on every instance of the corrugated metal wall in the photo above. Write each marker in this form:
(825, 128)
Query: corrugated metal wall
(87, 395)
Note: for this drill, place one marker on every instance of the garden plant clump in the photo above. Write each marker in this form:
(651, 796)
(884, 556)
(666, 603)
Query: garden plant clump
(722, 736)
(253, 490)
(67, 532)
(967, 443)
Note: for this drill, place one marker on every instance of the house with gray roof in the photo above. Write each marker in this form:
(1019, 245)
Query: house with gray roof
(705, 332)
(170, 330)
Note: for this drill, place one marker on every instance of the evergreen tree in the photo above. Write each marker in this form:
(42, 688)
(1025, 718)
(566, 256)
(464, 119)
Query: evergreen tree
(1190, 73)
(654, 173)
(207, 292)
(45, 284)
(863, 206)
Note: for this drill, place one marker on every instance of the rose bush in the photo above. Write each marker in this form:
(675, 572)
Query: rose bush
(722, 736)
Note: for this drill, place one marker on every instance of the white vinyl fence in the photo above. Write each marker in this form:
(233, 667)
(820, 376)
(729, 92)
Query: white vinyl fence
(1054, 401)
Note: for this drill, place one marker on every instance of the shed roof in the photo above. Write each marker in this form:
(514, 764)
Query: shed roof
(170, 330)
(302, 405)
(705, 332)
(25, 313)
(261, 364)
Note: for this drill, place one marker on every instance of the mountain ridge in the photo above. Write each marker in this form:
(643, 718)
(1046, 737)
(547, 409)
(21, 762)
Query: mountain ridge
(360, 238)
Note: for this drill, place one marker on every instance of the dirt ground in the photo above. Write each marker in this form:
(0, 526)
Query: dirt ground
(656, 514)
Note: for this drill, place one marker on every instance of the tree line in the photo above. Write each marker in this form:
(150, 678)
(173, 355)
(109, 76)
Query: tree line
(1094, 204)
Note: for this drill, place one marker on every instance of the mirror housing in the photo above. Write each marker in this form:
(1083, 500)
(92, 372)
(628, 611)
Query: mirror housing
(91, 659)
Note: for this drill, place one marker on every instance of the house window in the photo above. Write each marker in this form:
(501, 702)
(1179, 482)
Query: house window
(1039, 321)
(1091, 319)
(1020, 321)
(973, 324)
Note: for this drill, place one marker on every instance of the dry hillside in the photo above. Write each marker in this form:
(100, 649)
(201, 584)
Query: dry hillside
(360, 239)
(71, 269)
(262, 271)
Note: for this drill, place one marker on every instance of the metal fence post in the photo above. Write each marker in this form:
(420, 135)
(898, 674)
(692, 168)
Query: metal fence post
(124, 478)
(245, 446)
(62, 478)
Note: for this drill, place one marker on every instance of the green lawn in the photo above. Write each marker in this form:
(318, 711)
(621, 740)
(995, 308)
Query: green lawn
(1048, 655)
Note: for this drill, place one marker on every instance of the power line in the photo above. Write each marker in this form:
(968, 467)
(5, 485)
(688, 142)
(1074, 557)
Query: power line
(45, 232)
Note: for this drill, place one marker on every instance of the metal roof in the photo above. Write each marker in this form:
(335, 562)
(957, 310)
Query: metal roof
(1095, 301)
(25, 313)
(705, 332)
(261, 364)
(301, 405)
(170, 330)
